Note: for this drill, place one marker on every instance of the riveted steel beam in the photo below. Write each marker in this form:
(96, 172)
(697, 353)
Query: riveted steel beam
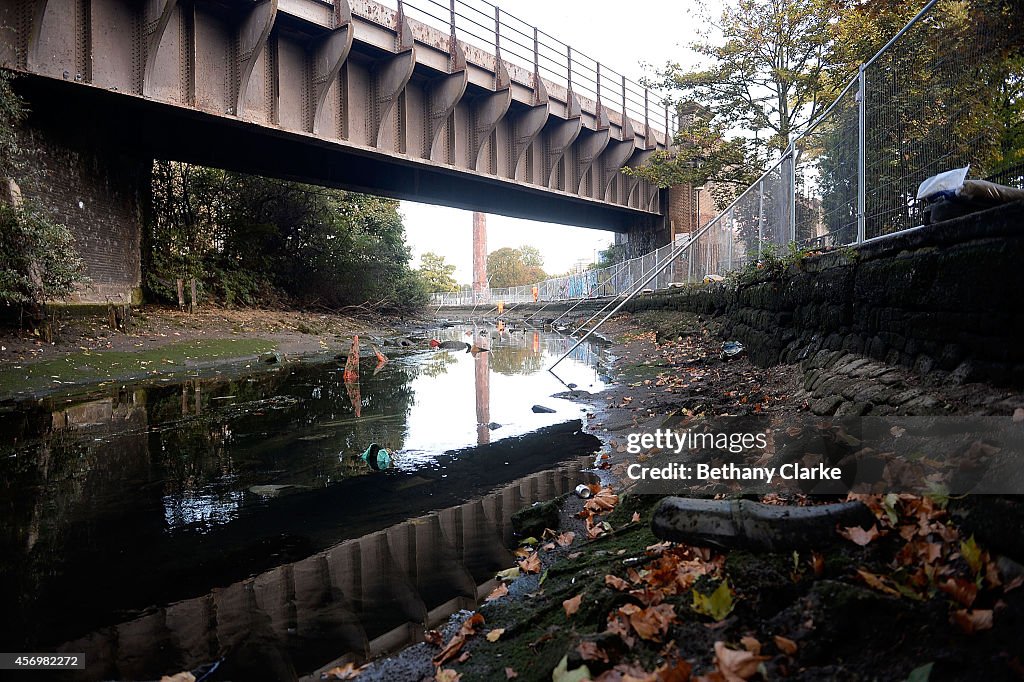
(527, 124)
(34, 36)
(561, 134)
(157, 16)
(330, 54)
(390, 76)
(589, 146)
(252, 39)
(486, 111)
(443, 94)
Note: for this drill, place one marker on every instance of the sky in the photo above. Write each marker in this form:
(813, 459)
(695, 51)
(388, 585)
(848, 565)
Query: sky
(622, 35)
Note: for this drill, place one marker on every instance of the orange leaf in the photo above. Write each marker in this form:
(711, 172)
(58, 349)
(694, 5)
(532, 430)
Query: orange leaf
(964, 591)
(530, 564)
(447, 675)
(751, 644)
(565, 539)
(349, 671)
(572, 605)
(734, 665)
(433, 637)
(786, 645)
(500, 591)
(973, 620)
(510, 674)
(603, 501)
(616, 582)
(858, 535)
(590, 651)
(635, 518)
(651, 622)
(876, 582)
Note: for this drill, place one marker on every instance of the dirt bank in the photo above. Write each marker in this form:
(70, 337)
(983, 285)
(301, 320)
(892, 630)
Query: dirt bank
(163, 342)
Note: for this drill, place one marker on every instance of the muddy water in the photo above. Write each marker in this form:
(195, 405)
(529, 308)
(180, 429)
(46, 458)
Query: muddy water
(157, 528)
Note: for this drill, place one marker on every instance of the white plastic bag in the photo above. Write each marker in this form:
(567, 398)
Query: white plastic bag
(948, 182)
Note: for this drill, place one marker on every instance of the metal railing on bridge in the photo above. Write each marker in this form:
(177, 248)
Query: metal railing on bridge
(488, 27)
(917, 108)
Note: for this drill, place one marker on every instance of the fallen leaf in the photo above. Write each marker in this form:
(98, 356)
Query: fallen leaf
(651, 622)
(498, 592)
(433, 637)
(876, 582)
(565, 539)
(185, 676)
(736, 665)
(468, 629)
(973, 620)
(786, 645)
(447, 675)
(590, 651)
(603, 501)
(636, 517)
(751, 644)
(964, 591)
(616, 582)
(349, 671)
(510, 674)
(718, 604)
(508, 574)
(921, 673)
(972, 554)
(561, 673)
(495, 634)
(530, 564)
(572, 605)
(858, 535)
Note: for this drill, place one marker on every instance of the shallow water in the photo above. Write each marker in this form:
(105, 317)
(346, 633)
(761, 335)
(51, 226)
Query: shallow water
(160, 527)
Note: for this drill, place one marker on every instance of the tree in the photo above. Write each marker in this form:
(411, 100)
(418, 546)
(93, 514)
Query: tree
(508, 267)
(252, 240)
(769, 75)
(436, 274)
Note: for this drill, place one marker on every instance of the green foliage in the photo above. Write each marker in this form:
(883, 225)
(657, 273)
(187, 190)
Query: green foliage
(38, 259)
(256, 240)
(767, 75)
(508, 267)
(437, 274)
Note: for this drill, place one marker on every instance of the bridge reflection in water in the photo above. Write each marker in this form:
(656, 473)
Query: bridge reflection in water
(356, 600)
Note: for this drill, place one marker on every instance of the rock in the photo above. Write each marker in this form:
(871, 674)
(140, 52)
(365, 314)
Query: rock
(532, 521)
(453, 345)
(494, 425)
(271, 358)
(540, 409)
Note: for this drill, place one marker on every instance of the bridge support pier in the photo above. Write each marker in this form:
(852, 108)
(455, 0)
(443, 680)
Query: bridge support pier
(99, 193)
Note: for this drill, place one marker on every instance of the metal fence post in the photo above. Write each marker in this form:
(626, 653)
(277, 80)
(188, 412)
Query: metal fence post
(862, 120)
(760, 217)
(792, 190)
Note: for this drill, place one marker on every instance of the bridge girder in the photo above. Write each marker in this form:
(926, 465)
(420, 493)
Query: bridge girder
(350, 73)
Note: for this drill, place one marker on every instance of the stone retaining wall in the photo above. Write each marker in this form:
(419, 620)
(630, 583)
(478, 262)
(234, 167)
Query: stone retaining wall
(943, 300)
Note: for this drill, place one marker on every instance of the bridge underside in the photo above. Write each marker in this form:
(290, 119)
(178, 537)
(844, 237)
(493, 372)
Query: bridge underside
(151, 130)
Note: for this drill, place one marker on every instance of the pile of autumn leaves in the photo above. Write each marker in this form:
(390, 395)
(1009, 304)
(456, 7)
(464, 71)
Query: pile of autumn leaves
(929, 559)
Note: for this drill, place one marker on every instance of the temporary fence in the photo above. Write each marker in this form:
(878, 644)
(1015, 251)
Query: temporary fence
(922, 105)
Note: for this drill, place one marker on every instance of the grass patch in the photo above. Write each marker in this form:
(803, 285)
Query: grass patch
(85, 367)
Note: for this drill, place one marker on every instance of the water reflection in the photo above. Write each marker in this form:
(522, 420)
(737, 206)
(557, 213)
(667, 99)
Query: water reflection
(118, 500)
(356, 600)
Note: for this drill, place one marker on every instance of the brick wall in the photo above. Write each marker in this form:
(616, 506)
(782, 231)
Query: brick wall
(98, 194)
(941, 299)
